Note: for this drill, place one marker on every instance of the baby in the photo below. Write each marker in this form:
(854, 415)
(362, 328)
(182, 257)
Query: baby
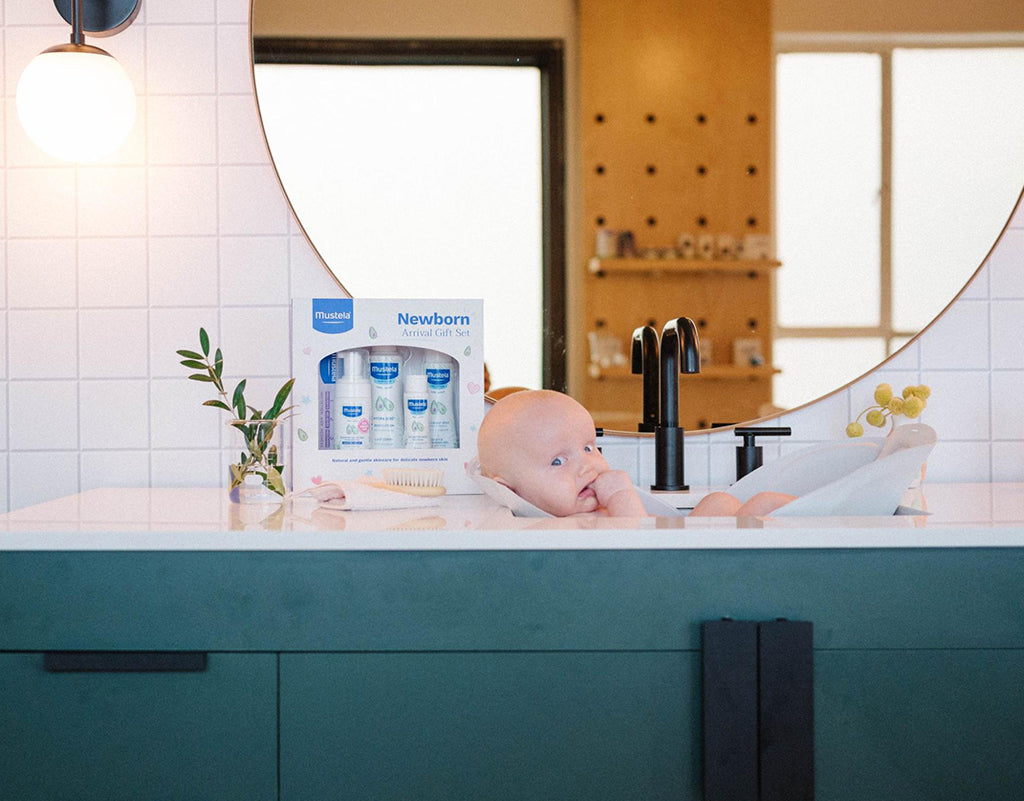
(542, 445)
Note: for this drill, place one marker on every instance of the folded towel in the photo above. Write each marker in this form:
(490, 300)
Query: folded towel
(350, 496)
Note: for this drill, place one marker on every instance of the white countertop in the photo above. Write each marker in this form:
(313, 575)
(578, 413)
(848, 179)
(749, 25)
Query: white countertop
(960, 515)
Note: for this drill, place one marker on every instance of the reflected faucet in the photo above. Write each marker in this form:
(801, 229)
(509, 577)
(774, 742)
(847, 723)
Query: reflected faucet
(645, 362)
(680, 352)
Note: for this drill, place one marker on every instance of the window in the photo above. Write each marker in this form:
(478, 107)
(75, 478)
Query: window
(897, 167)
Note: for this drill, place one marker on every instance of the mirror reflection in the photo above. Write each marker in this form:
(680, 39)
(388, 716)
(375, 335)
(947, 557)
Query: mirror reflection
(879, 169)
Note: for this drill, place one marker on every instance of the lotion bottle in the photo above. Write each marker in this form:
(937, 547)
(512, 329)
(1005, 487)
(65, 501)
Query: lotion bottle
(352, 404)
(442, 380)
(417, 416)
(386, 398)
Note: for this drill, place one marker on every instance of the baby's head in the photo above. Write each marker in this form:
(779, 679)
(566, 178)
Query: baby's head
(542, 445)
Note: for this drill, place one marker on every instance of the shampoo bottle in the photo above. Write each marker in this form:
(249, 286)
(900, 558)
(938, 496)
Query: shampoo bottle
(352, 404)
(329, 371)
(417, 417)
(442, 380)
(386, 397)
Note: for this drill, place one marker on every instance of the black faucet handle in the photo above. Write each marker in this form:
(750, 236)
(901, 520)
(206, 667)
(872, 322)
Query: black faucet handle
(749, 432)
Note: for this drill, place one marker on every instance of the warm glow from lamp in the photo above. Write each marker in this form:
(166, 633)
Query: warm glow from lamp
(76, 102)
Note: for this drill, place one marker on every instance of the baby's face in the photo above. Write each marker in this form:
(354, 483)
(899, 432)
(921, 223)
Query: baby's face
(553, 464)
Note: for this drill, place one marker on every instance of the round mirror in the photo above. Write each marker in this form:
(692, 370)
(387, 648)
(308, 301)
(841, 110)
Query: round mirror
(395, 155)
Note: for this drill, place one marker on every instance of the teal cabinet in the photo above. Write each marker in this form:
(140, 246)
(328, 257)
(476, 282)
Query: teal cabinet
(490, 726)
(139, 736)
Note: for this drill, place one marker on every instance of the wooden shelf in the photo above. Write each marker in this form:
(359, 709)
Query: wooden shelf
(598, 266)
(721, 372)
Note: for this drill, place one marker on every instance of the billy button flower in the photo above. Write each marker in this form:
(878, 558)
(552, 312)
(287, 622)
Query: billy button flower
(910, 403)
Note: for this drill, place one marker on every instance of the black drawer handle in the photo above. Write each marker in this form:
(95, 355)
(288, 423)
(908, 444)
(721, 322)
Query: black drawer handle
(124, 661)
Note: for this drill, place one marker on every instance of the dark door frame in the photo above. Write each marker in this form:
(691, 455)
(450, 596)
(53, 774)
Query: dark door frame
(544, 54)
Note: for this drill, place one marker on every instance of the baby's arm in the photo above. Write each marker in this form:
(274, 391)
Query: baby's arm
(616, 495)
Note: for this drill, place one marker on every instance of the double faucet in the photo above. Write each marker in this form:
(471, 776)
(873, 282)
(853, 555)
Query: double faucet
(679, 352)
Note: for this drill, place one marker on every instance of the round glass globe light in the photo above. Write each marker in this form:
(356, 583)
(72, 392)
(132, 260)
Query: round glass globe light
(76, 102)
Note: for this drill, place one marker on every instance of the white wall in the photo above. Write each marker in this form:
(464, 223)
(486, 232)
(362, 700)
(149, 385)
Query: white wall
(108, 269)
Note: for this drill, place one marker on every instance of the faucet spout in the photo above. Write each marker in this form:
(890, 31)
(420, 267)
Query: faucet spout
(680, 352)
(645, 362)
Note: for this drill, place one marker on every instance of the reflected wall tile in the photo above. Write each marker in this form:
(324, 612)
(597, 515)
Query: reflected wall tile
(253, 270)
(112, 272)
(113, 343)
(182, 201)
(620, 453)
(825, 420)
(181, 271)
(182, 129)
(959, 339)
(959, 406)
(171, 330)
(959, 461)
(42, 344)
(43, 415)
(1008, 461)
(1007, 343)
(1006, 266)
(41, 202)
(907, 358)
(38, 476)
(41, 273)
(114, 414)
(181, 59)
(114, 469)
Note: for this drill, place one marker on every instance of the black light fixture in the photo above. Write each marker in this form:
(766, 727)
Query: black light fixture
(75, 101)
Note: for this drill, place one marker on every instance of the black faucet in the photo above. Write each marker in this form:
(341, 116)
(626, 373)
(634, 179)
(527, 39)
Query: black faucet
(680, 352)
(645, 361)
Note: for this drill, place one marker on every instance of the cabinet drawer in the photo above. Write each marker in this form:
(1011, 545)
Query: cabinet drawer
(490, 726)
(103, 731)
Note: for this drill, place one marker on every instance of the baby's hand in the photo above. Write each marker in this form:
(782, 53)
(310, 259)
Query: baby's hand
(615, 493)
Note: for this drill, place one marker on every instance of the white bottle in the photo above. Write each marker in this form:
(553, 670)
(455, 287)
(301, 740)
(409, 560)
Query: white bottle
(352, 405)
(442, 379)
(328, 372)
(386, 398)
(417, 416)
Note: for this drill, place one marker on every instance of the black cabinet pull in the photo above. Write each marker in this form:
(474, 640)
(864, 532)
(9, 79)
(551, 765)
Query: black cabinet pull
(124, 661)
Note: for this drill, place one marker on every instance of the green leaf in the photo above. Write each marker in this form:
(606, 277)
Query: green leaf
(207, 378)
(303, 436)
(204, 341)
(218, 404)
(238, 399)
(193, 364)
(236, 474)
(282, 395)
(274, 480)
(189, 354)
(218, 363)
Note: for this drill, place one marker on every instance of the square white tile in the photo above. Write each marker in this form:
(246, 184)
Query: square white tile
(253, 270)
(3, 278)
(1008, 461)
(958, 339)
(256, 341)
(234, 63)
(1006, 266)
(233, 11)
(102, 469)
(959, 461)
(310, 277)
(181, 59)
(111, 201)
(181, 11)
(179, 420)
(620, 453)
(4, 506)
(113, 343)
(38, 476)
(112, 272)
(182, 129)
(43, 415)
(1007, 342)
(41, 202)
(42, 344)
(1008, 404)
(171, 330)
(41, 273)
(251, 202)
(959, 406)
(3, 349)
(183, 271)
(186, 468)
(240, 138)
(114, 414)
(182, 201)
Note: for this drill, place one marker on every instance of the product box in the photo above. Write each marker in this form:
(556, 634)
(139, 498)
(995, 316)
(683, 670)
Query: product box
(386, 384)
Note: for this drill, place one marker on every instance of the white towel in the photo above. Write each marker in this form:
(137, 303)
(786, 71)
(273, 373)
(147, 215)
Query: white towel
(351, 496)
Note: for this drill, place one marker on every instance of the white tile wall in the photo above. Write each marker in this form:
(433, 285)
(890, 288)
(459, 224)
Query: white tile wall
(108, 269)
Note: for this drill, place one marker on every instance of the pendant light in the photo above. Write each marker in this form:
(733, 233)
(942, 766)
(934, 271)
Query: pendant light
(75, 101)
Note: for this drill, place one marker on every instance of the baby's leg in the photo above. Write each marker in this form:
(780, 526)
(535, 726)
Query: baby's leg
(764, 503)
(717, 504)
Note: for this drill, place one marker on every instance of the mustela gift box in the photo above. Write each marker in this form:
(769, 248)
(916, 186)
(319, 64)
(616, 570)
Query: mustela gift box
(383, 383)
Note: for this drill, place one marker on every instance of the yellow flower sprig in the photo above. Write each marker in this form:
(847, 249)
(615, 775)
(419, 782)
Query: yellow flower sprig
(886, 405)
